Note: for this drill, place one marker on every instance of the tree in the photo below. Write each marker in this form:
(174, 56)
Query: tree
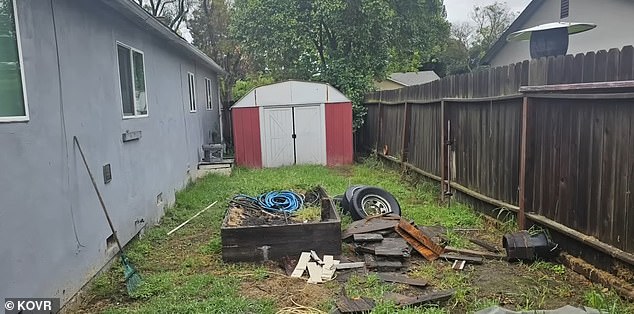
(470, 41)
(171, 12)
(209, 28)
(347, 43)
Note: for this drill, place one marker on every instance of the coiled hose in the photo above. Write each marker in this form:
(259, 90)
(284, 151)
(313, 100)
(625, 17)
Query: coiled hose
(285, 202)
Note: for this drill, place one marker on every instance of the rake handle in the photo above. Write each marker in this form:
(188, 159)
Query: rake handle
(94, 185)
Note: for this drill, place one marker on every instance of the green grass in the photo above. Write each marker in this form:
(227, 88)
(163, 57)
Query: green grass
(185, 273)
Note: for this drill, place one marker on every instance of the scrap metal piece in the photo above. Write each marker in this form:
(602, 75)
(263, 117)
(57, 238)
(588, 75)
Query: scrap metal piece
(371, 224)
(470, 259)
(488, 255)
(434, 297)
(421, 243)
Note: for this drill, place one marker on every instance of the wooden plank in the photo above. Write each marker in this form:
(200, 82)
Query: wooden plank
(301, 265)
(330, 265)
(420, 237)
(367, 237)
(370, 225)
(474, 253)
(455, 257)
(521, 217)
(434, 297)
(396, 278)
(486, 245)
(424, 251)
(342, 266)
(578, 86)
(314, 271)
(354, 306)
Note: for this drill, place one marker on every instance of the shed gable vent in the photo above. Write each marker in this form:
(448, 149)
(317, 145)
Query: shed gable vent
(565, 9)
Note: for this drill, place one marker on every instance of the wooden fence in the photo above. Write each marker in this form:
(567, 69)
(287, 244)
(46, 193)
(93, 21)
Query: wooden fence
(550, 138)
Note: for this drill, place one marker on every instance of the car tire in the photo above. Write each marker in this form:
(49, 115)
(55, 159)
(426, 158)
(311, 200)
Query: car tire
(347, 197)
(370, 201)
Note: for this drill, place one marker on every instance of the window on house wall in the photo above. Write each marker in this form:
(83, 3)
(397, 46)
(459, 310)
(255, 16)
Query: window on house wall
(565, 9)
(132, 79)
(192, 91)
(208, 96)
(13, 106)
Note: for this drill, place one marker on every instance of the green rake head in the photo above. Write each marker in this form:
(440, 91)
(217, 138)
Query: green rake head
(132, 278)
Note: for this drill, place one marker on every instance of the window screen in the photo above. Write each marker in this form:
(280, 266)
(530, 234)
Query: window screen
(132, 79)
(12, 104)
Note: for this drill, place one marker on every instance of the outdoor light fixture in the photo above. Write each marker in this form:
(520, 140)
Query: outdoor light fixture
(550, 39)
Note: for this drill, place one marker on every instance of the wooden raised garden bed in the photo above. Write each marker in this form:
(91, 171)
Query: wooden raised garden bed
(258, 243)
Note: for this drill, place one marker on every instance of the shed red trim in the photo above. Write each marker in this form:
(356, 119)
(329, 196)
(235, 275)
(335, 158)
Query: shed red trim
(339, 150)
(246, 134)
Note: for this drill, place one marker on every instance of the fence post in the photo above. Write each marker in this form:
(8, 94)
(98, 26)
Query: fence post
(521, 216)
(443, 158)
(406, 130)
(377, 138)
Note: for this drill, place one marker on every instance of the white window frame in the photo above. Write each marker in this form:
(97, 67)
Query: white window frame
(132, 50)
(26, 116)
(191, 88)
(208, 94)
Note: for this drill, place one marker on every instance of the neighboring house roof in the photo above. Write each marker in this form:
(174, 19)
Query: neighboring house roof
(148, 22)
(413, 78)
(515, 26)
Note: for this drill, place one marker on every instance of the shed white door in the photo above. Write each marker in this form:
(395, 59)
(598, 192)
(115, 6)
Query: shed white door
(310, 144)
(293, 135)
(278, 149)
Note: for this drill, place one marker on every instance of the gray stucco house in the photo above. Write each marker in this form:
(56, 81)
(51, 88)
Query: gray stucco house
(97, 70)
(612, 17)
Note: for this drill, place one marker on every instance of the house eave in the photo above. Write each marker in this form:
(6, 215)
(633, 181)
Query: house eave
(135, 12)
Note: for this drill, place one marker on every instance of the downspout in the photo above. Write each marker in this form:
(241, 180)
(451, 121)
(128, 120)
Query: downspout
(222, 137)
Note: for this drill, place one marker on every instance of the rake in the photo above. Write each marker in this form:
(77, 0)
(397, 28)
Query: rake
(132, 278)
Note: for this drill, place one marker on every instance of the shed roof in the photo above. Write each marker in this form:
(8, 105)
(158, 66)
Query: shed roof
(413, 78)
(148, 22)
(291, 93)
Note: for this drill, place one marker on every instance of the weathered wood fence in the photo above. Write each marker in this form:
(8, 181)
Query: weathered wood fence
(551, 139)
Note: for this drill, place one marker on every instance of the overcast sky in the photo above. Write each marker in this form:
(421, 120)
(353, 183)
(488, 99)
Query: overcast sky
(460, 10)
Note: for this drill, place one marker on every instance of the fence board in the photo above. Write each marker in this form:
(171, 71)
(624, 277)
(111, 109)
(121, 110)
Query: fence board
(580, 153)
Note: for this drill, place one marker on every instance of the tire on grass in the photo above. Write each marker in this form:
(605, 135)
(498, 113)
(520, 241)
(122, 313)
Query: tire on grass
(370, 201)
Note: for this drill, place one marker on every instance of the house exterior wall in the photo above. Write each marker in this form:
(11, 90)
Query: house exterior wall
(613, 30)
(246, 137)
(52, 228)
(339, 148)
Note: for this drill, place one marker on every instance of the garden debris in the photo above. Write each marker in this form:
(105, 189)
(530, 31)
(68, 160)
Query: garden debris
(488, 255)
(316, 272)
(367, 237)
(458, 264)
(342, 266)
(304, 258)
(526, 246)
(353, 306)
(568, 309)
(423, 244)
(487, 246)
(381, 264)
(434, 297)
(371, 224)
(456, 257)
(397, 278)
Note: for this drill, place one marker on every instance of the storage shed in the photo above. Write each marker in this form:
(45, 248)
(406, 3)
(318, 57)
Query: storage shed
(292, 122)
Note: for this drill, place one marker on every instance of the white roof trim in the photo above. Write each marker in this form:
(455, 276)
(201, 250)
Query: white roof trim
(291, 93)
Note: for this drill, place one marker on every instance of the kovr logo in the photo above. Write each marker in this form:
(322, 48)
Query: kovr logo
(31, 305)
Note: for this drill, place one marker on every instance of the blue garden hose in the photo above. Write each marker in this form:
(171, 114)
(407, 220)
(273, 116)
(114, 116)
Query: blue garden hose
(286, 202)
